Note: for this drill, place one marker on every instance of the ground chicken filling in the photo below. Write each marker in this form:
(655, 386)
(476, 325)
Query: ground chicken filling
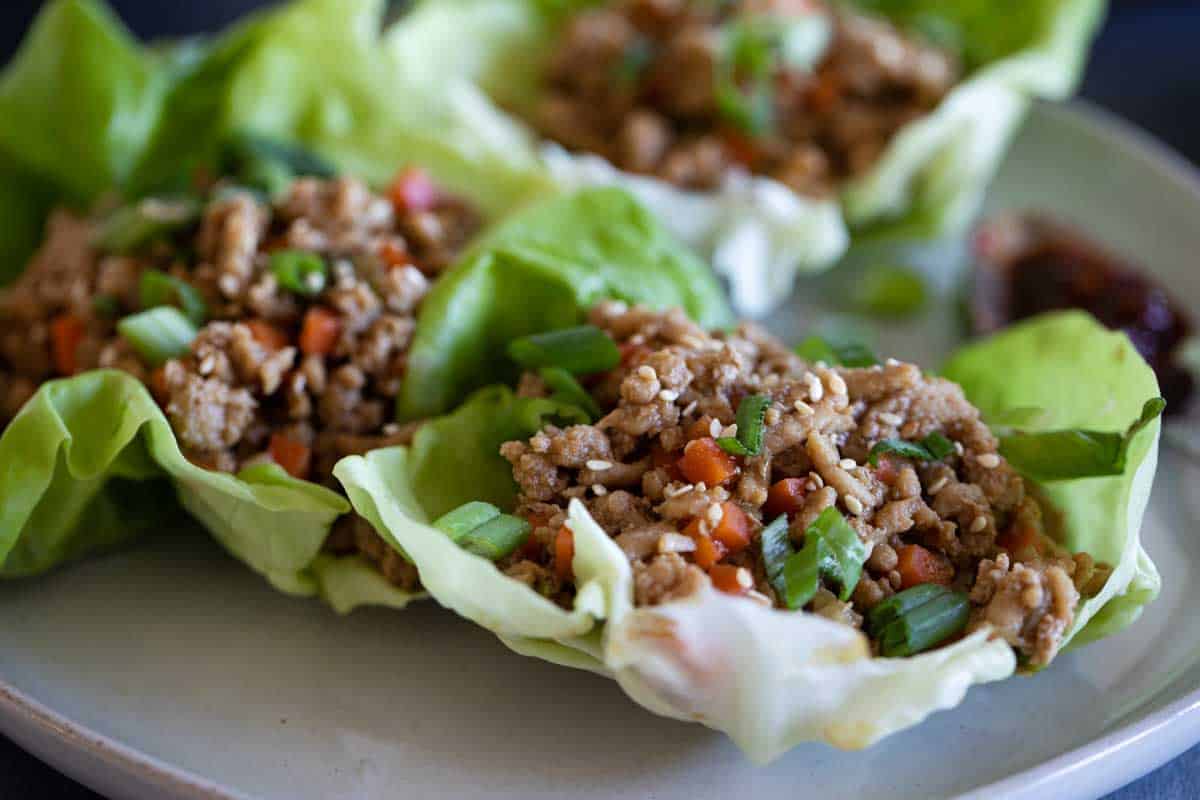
(298, 378)
(660, 87)
(688, 514)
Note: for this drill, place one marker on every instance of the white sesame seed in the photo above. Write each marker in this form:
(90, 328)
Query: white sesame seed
(958, 448)
(938, 485)
(617, 307)
(891, 362)
(637, 339)
(314, 281)
(821, 365)
(700, 487)
(676, 543)
(989, 460)
(836, 384)
(714, 428)
(771, 380)
(815, 390)
(759, 598)
(391, 429)
(817, 479)
(692, 342)
(811, 485)
(853, 505)
(598, 465)
(772, 416)
(888, 418)
(847, 463)
(804, 408)
(207, 364)
(690, 408)
(744, 578)
(730, 431)
(674, 490)
(599, 490)
(714, 514)
(978, 524)
(646, 372)
(668, 396)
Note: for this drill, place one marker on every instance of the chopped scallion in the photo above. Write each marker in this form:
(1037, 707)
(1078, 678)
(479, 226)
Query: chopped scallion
(300, 271)
(933, 447)
(750, 413)
(776, 549)
(496, 538)
(899, 604)
(844, 352)
(567, 390)
(846, 549)
(132, 227)
(802, 572)
(926, 625)
(157, 288)
(465, 518)
(582, 350)
(159, 334)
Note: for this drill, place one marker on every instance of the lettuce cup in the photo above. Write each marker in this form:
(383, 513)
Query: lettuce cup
(210, 334)
(761, 131)
(785, 548)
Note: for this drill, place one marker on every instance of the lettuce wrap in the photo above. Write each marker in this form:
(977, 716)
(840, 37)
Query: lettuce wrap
(760, 234)
(771, 679)
(91, 461)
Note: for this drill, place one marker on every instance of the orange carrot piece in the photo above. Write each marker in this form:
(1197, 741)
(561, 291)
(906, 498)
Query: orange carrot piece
(708, 550)
(917, 565)
(784, 497)
(320, 331)
(66, 332)
(268, 335)
(158, 383)
(1018, 538)
(412, 190)
(734, 529)
(295, 457)
(731, 579)
(564, 552)
(704, 461)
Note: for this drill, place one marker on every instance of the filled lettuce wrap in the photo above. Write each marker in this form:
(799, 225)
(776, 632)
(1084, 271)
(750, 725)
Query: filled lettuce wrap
(241, 314)
(785, 550)
(761, 132)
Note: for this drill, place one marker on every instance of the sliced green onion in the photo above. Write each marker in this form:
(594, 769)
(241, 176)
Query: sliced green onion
(776, 549)
(845, 352)
(567, 390)
(847, 551)
(157, 288)
(1069, 454)
(899, 604)
(497, 537)
(270, 165)
(802, 572)
(159, 334)
(465, 518)
(132, 227)
(750, 413)
(106, 306)
(300, 271)
(933, 447)
(535, 413)
(581, 351)
(924, 626)
(890, 291)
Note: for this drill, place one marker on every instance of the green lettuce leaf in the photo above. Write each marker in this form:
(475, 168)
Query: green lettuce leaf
(91, 462)
(758, 233)
(771, 679)
(540, 270)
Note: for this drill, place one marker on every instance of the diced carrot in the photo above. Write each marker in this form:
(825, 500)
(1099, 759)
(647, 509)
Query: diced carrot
(412, 190)
(734, 529)
(268, 335)
(394, 254)
(704, 461)
(887, 471)
(708, 550)
(918, 565)
(66, 332)
(320, 332)
(784, 497)
(295, 457)
(158, 383)
(1018, 538)
(564, 552)
(731, 579)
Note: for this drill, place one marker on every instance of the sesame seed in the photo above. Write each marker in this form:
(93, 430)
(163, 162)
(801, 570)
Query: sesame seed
(853, 505)
(759, 598)
(391, 429)
(637, 339)
(891, 362)
(958, 448)
(646, 372)
(617, 307)
(847, 463)
(811, 485)
(815, 390)
(989, 460)
(700, 487)
(207, 365)
(772, 416)
(938, 485)
(888, 418)
(821, 365)
(744, 578)
(978, 524)
(599, 490)
(836, 384)
(714, 428)
(817, 479)
(598, 465)
(714, 514)
(676, 543)
(690, 408)
(668, 396)
(674, 490)
(692, 342)
(804, 408)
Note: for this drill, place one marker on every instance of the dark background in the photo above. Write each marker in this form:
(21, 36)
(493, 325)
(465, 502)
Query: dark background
(1145, 67)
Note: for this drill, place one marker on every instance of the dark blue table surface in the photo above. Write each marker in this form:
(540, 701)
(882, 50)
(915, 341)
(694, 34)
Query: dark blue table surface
(1145, 67)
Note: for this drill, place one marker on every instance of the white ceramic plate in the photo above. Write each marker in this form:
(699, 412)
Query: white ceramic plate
(139, 673)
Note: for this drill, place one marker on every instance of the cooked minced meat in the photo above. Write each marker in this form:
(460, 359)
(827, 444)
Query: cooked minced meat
(273, 374)
(639, 82)
(651, 474)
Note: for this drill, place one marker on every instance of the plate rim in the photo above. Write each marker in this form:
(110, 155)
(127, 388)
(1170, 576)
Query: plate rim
(1139, 744)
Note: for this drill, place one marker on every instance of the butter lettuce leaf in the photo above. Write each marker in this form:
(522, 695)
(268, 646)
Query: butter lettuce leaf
(758, 234)
(772, 679)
